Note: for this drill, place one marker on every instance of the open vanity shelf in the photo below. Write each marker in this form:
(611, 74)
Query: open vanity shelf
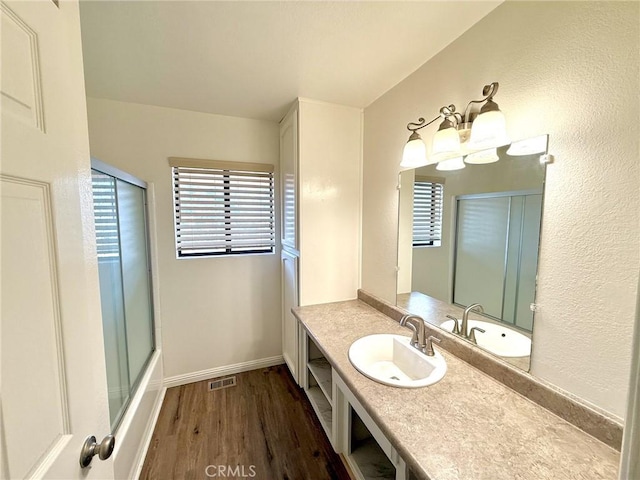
(320, 370)
(349, 428)
(317, 383)
(367, 457)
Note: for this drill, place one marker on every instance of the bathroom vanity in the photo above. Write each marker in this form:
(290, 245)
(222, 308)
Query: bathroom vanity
(466, 426)
(345, 421)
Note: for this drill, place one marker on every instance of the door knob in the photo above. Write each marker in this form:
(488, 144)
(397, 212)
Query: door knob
(91, 447)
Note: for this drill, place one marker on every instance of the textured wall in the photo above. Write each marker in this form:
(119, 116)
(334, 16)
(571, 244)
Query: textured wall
(569, 69)
(215, 311)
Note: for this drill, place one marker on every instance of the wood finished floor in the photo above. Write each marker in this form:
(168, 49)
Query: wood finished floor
(265, 421)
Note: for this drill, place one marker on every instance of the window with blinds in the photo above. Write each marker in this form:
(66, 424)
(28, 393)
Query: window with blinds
(223, 208)
(105, 214)
(427, 213)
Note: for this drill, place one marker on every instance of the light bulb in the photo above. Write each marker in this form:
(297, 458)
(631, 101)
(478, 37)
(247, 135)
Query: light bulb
(446, 144)
(450, 164)
(528, 146)
(415, 152)
(485, 156)
(489, 130)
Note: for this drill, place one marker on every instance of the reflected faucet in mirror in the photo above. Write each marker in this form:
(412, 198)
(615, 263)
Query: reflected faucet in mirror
(463, 329)
(472, 334)
(464, 325)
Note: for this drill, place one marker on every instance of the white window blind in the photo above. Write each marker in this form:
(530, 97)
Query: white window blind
(223, 208)
(105, 214)
(427, 213)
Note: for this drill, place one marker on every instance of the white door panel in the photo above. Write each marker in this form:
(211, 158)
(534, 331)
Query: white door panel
(52, 380)
(21, 87)
(34, 392)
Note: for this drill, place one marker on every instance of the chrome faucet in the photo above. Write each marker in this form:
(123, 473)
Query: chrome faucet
(428, 349)
(472, 334)
(418, 340)
(456, 325)
(464, 328)
(416, 323)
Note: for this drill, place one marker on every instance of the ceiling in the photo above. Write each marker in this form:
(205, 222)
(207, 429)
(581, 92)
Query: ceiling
(252, 59)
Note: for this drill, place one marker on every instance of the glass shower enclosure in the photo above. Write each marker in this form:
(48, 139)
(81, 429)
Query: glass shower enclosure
(496, 254)
(119, 203)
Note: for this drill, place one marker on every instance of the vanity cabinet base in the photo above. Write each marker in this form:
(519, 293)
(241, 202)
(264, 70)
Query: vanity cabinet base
(351, 431)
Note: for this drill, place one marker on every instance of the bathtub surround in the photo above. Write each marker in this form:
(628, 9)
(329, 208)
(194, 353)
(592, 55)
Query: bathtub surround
(586, 417)
(570, 70)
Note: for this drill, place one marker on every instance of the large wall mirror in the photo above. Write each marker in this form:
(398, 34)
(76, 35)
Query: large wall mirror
(471, 236)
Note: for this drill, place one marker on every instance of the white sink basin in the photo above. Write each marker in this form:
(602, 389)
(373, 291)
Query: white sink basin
(497, 339)
(391, 360)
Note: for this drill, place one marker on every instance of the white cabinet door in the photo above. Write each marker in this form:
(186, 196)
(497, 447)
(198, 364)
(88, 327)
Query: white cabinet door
(52, 364)
(289, 179)
(290, 337)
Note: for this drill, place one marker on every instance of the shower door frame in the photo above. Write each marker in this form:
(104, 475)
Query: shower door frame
(454, 242)
(118, 174)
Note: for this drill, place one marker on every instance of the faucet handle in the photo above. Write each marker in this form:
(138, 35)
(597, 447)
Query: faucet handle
(472, 334)
(456, 324)
(428, 348)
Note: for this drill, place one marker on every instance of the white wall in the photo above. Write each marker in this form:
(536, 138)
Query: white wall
(405, 231)
(571, 70)
(216, 312)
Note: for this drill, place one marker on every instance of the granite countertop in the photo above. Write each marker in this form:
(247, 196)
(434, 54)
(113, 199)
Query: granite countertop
(468, 426)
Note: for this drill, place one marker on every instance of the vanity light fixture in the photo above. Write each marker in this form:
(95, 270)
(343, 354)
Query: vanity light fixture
(460, 135)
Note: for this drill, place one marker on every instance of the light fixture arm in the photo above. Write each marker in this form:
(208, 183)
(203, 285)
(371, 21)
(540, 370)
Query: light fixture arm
(420, 124)
(449, 112)
(488, 91)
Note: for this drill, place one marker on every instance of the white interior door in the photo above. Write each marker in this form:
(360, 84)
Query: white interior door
(52, 371)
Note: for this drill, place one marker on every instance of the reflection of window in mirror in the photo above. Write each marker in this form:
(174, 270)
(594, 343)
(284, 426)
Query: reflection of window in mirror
(427, 212)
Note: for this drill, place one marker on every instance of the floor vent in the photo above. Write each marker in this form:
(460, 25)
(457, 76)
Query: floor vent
(222, 383)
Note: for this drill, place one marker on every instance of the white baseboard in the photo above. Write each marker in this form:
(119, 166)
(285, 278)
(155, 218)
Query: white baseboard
(148, 435)
(178, 380)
